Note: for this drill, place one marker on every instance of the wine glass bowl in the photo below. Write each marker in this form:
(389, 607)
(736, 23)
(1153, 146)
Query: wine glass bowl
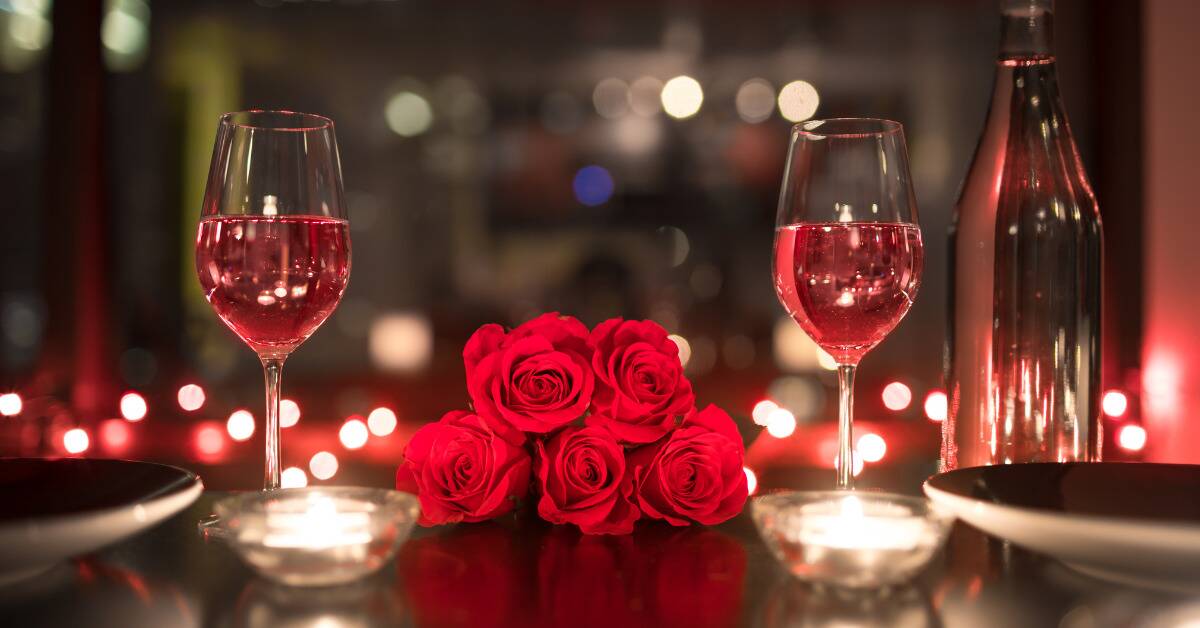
(273, 243)
(848, 251)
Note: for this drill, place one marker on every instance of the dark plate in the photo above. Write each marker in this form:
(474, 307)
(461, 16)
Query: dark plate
(1131, 522)
(54, 509)
(1158, 492)
(35, 488)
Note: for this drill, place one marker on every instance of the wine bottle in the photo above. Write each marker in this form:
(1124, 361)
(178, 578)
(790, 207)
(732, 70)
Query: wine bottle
(1023, 343)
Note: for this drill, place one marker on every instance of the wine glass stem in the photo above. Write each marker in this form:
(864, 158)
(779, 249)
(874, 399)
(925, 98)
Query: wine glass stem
(845, 459)
(272, 369)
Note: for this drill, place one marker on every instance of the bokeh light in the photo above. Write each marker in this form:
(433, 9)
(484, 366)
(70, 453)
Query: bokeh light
(593, 186)
(353, 434)
(293, 477)
(408, 114)
(323, 465)
(645, 96)
(115, 436)
(755, 100)
(871, 447)
(751, 480)
(240, 425)
(381, 421)
(685, 348)
(682, 97)
(401, 342)
(857, 467)
(798, 101)
(289, 413)
(611, 98)
(781, 423)
(935, 406)
(76, 440)
(209, 440)
(1114, 403)
(896, 396)
(10, 404)
(1132, 437)
(191, 397)
(133, 407)
(762, 411)
(826, 361)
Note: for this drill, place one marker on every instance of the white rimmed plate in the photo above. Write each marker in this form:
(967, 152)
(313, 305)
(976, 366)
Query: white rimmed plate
(53, 509)
(1133, 522)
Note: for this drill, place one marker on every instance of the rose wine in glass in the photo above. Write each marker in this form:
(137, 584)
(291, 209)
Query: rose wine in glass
(273, 244)
(848, 284)
(848, 251)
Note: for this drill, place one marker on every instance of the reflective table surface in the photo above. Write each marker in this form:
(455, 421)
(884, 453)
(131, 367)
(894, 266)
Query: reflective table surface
(522, 572)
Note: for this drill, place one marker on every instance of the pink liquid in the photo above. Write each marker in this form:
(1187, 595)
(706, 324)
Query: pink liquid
(273, 280)
(848, 284)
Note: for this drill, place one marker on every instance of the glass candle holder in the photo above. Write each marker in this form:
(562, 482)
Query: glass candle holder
(317, 536)
(851, 539)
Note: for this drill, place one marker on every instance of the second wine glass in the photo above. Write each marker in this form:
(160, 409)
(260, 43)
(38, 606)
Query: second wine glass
(273, 244)
(848, 251)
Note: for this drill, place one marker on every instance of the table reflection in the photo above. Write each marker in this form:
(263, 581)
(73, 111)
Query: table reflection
(793, 603)
(368, 603)
(484, 575)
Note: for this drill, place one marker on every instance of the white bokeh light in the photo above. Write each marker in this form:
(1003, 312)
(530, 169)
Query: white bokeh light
(133, 407)
(240, 425)
(381, 421)
(682, 97)
(871, 447)
(798, 101)
(76, 440)
(190, 397)
(289, 413)
(293, 477)
(10, 404)
(936, 406)
(781, 423)
(323, 465)
(353, 434)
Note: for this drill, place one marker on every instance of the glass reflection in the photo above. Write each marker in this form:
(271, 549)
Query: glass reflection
(371, 602)
(793, 604)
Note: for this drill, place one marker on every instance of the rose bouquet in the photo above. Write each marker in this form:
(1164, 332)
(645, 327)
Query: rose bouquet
(599, 427)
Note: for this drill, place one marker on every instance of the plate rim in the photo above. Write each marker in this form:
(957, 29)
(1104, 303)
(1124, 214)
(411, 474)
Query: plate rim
(1179, 532)
(194, 485)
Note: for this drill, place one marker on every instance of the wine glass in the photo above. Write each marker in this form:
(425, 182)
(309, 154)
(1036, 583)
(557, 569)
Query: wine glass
(273, 245)
(848, 252)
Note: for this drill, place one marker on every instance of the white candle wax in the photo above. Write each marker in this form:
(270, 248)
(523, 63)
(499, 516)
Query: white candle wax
(321, 525)
(844, 525)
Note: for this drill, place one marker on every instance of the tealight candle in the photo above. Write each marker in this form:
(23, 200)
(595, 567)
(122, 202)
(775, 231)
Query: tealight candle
(851, 539)
(319, 535)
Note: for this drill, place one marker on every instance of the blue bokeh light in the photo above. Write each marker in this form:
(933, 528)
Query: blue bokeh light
(593, 185)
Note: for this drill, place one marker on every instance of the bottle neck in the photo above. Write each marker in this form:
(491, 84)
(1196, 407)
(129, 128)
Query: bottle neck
(1026, 30)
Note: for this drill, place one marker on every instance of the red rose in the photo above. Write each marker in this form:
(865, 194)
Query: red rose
(639, 380)
(695, 473)
(537, 378)
(581, 472)
(464, 468)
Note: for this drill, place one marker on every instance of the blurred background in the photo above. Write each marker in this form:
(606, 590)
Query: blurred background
(505, 159)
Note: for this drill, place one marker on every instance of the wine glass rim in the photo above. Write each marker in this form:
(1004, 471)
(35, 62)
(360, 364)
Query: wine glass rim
(304, 121)
(844, 128)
